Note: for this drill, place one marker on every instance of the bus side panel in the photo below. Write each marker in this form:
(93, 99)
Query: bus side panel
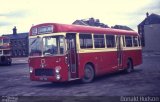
(106, 62)
(103, 62)
(84, 58)
(135, 55)
(109, 62)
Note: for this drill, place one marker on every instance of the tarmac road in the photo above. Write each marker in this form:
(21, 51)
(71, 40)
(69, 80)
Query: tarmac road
(144, 81)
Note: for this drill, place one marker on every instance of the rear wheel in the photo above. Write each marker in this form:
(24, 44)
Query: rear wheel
(9, 63)
(129, 67)
(88, 74)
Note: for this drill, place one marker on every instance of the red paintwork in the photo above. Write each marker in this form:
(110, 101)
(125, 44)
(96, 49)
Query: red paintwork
(50, 62)
(85, 29)
(105, 61)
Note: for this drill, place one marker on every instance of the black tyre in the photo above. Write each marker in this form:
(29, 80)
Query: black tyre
(9, 63)
(129, 67)
(89, 74)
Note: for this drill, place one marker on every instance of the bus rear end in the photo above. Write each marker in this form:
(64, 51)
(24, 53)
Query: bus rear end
(5, 51)
(47, 58)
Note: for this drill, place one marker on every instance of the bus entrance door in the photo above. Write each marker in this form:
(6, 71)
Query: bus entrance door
(119, 52)
(72, 56)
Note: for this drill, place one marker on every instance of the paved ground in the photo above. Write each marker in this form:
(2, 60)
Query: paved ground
(14, 80)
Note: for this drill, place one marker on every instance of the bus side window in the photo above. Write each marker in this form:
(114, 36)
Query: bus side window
(135, 41)
(99, 41)
(85, 41)
(0, 52)
(61, 41)
(139, 41)
(128, 40)
(0, 41)
(110, 40)
(123, 38)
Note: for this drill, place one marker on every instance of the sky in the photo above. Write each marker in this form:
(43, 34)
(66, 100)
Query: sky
(25, 13)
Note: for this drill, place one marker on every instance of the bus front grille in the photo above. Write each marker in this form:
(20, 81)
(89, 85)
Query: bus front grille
(43, 72)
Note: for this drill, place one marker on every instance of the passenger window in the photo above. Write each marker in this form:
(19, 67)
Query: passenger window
(110, 40)
(128, 40)
(85, 41)
(99, 41)
(0, 41)
(0, 52)
(135, 41)
(123, 41)
(61, 41)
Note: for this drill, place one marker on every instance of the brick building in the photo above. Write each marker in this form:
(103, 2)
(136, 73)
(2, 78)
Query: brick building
(149, 29)
(19, 43)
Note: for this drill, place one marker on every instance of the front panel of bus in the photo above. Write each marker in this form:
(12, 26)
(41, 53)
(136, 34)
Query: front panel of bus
(47, 57)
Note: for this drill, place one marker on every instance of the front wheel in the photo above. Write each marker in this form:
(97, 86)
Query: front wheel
(88, 74)
(129, 67)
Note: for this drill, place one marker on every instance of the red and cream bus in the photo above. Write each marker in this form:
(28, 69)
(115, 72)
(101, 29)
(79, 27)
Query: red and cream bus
(5, 51)
(61, 52)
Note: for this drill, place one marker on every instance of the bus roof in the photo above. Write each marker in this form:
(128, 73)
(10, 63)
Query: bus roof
(84, 29)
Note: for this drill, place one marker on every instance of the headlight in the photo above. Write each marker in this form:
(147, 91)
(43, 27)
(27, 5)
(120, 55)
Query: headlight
(58, 77)
(57, 69)
(30, 69)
